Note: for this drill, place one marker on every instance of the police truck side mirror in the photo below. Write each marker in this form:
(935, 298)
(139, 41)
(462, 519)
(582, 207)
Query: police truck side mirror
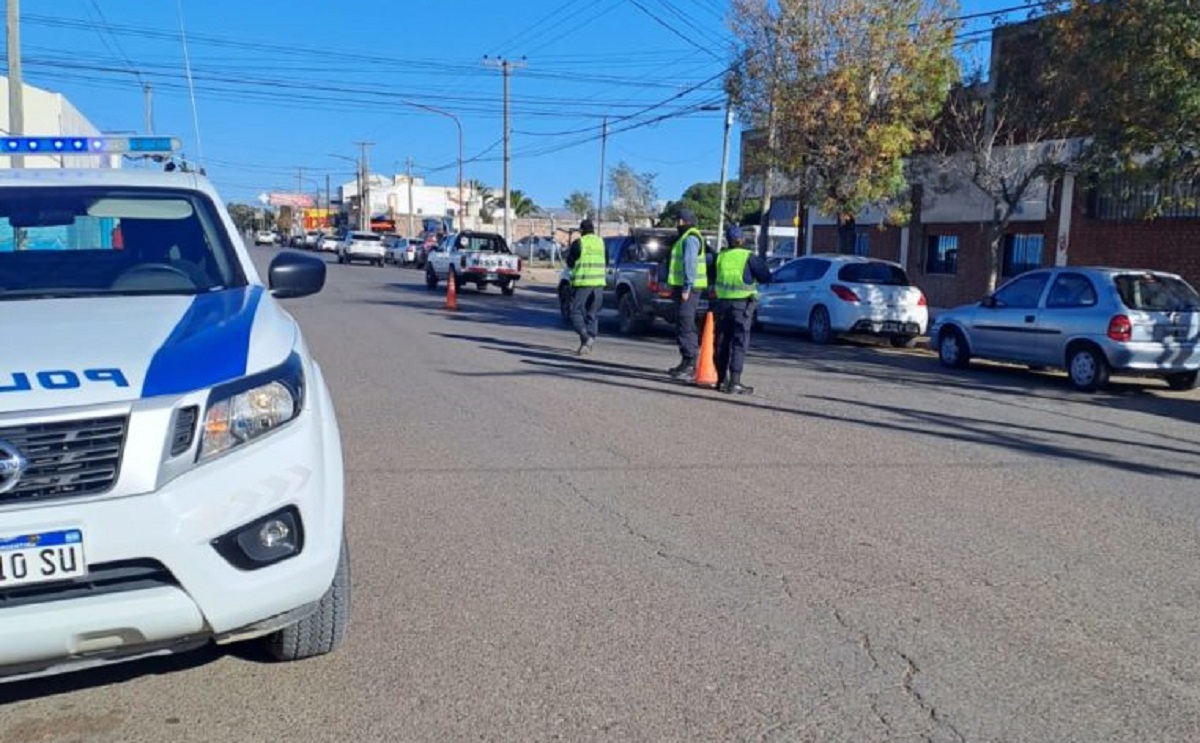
(295, 275)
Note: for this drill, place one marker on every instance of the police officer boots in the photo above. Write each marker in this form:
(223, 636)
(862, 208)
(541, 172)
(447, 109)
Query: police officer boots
(734, 386)
(684, 370)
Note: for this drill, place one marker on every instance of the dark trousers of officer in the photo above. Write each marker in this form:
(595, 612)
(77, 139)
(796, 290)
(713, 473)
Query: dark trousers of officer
(734, 318)
(685, 325)
(585, 311)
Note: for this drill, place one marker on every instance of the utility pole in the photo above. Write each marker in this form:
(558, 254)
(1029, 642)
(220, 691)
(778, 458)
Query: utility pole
(411, 229)
(506, 68)
(603, 151)
(764, 239)
(364, 189)
(724, 171)
(16, 85)
(297, 212)
(328, 201)
(149, 109)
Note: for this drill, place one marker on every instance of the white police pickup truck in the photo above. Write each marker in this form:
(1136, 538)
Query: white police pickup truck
(170, 464)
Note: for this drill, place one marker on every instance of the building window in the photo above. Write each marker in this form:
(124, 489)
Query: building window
(1022, 253)
(942, 256)
(1131, 198)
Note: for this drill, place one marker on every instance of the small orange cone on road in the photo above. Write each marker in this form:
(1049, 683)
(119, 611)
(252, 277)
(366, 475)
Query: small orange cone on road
(706, 370)
(451, 292)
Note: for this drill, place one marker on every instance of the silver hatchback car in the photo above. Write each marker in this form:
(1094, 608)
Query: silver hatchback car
(1090, 321)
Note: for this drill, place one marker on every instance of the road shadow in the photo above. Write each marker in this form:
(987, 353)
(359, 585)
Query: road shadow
(1045, 442)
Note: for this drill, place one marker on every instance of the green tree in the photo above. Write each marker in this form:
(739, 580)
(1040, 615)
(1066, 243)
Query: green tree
(580, 203)
(522, 205)
(846, 90)
(634, 193)
(704, 199)
(1131, 73)
(243, 215)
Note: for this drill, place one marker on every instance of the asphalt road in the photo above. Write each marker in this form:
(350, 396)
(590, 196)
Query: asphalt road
(552, 548)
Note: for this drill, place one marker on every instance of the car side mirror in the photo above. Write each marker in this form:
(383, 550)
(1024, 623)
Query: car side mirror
(989, 301)
(295, 275)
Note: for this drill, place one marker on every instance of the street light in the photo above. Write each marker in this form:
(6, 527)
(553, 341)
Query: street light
(458, 124)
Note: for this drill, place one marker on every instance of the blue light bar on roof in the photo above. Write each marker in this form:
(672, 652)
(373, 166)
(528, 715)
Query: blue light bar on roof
(89, 145)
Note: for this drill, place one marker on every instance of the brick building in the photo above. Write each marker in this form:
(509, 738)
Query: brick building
(1065, 222)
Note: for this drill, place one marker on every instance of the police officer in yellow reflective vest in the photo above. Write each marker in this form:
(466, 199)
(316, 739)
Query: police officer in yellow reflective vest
(586, 260)
(739, 272)
(687, 275)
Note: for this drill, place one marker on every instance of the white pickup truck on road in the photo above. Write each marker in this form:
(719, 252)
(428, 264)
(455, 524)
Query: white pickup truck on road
(478, 258)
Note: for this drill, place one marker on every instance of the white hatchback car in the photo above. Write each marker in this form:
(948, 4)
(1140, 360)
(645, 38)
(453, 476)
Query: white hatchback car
(170, 464)
(828, 295)
(362, 246)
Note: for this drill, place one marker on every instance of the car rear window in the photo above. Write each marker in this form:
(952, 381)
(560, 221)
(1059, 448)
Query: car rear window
(367, 237)
(883, 274)
(1156, 293)
(487, 243)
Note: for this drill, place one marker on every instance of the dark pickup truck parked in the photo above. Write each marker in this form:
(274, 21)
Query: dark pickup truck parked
(636, 285)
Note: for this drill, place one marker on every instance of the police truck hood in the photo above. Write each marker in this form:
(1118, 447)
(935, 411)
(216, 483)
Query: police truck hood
(96, 350)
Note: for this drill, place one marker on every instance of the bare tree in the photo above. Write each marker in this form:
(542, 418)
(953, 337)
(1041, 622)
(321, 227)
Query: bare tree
(1003, 140)
(634, 193)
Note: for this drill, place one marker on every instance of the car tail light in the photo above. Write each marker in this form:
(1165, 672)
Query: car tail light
(1120, 329)
(653, 284)
(518, 265)
(921, 301)
(844, 293)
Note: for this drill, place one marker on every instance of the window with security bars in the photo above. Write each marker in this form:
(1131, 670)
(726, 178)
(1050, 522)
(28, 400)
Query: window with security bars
(1129, 197)
(1022, 253)
(942, 254)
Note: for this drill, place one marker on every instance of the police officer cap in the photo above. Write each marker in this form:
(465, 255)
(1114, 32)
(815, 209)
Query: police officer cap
(587, 226)
(687, 216)
(733, 234)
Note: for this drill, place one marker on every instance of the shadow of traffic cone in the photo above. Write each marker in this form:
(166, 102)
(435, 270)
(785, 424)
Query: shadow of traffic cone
(706, 370)
(451, 292)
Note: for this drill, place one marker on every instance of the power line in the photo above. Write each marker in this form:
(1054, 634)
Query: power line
(672, 29)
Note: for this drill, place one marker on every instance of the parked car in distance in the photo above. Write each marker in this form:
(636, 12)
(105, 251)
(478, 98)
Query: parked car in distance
(538, 247)
(309, 239)
(831, 295)
(264, 237)
(394, 247)
(328, 242)
(1093, 322)
(361, 246)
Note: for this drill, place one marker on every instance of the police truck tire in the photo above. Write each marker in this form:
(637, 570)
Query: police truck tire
(431, 279)
(564, 302)
(324, 630)
(508, 288)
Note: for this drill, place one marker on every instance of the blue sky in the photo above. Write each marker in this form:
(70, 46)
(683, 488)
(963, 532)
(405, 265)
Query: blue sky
(286, 85)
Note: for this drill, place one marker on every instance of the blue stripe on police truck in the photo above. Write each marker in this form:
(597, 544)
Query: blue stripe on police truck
(209, 345)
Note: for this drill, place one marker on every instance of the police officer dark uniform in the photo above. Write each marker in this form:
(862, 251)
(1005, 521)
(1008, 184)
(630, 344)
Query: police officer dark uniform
(739, 272)
(687, 275)
(586, 260)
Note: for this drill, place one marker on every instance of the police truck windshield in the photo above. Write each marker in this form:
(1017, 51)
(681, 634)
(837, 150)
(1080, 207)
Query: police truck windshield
(69, 242)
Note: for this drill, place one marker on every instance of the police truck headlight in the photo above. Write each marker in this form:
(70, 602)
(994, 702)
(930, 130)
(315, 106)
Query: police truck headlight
(252, 407)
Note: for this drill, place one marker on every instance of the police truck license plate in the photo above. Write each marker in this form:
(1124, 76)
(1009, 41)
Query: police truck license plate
(39, 558)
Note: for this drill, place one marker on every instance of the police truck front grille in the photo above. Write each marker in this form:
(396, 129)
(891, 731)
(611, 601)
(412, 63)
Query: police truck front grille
(104, 578)
(66, 458)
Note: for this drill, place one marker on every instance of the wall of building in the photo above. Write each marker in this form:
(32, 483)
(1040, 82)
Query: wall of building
(49, 114)
(1165, 244)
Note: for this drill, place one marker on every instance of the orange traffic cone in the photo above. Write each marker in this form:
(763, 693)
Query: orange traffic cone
(451, 292)
(706, 370)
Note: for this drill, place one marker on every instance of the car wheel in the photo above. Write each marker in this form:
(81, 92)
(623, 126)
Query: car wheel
(324, 630)
(480, 287)
(508, 289)
(903, 341)
(629, 321)
(431, 278)
(952, 349)
(820, 330)
(1183, 381)
(1087, 368)
(341, 260)
(565, 300)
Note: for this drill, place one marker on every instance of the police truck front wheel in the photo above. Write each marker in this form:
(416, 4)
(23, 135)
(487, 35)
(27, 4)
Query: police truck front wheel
(431, 279)
(324, 630)
(508, 287)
